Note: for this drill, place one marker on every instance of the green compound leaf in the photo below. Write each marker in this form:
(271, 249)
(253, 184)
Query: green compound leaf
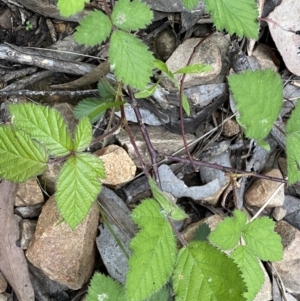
(104, 288)
(131, 59)
(204, 273)
(190, 4)
(251, 271)
(228, 232)
(260, 105)
(83, 135)
(20, 157)
(262, 240)
(77, 187)
(154, 252)
(160, 65)
(70, 7)
(44, 124)
(162, 295)
(196, 68)
(238, 17)
(93, 29)
(169, 207)
(125, 9)
(292, 145)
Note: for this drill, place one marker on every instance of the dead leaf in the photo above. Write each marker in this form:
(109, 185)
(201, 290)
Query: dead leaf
(283, 24)
(13, 264)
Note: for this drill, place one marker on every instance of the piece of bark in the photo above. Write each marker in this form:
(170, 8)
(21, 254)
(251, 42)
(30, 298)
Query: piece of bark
(13, 264)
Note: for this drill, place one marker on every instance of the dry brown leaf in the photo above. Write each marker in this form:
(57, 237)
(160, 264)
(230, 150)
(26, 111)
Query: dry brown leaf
(13, 264)
(283, 24)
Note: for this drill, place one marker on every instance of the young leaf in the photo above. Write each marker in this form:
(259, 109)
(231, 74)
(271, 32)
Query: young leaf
(251, 270)
(262, 240)
(77, 187)
(190, 4)
(94, 108)
(83, 135)
(43, 124)
(154, 252)
(132, 61)
(93, 29)
(202, 232)
(196, 68)
(87, 107)
(160, 65)
(20, 157)
(70, 7)
(258, 95)
(228, 232)
(147, 92)
(168, 206)
(186, 105)
(125, 9)
(104, 288)
(106, 91)
(202, 272)
(292, 145)
(238, 17)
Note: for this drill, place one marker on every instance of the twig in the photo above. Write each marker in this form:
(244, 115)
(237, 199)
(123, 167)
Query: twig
(181, 99)
(30, 93)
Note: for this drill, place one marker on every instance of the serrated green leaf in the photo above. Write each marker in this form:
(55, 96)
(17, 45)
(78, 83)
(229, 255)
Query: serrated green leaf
(20, 157)
(83, 134)
(160, 65)
(125, 9)
(238, 17)
(70, 7)
(106, 90)
(202, 232)
(262, 240)
(190, 4)
(169, 207)
(130, 59)
(228, 232)
(77, 187)
(204, 273)
(292, 145)
(44, 124)
(251, 270)
(258, 95)
(154, 252)
(186, 105)
(162, 295)
(146, 92)
(104, 288)
(196, 68)
(93, 29)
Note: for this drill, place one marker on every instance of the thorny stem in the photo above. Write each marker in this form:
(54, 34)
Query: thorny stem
(151, 150)
(180, 102)
(226, 169)
(132, 141)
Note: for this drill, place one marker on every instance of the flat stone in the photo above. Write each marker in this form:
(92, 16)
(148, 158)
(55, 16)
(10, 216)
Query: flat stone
(29, 193)
(265, 57)
(230, 128)
(119, 167)
(288, 268)
(64, 255)
(164, 141)
(279, 213)
(261, 190)
(49, 177)
(3, 283)
(207, 53)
